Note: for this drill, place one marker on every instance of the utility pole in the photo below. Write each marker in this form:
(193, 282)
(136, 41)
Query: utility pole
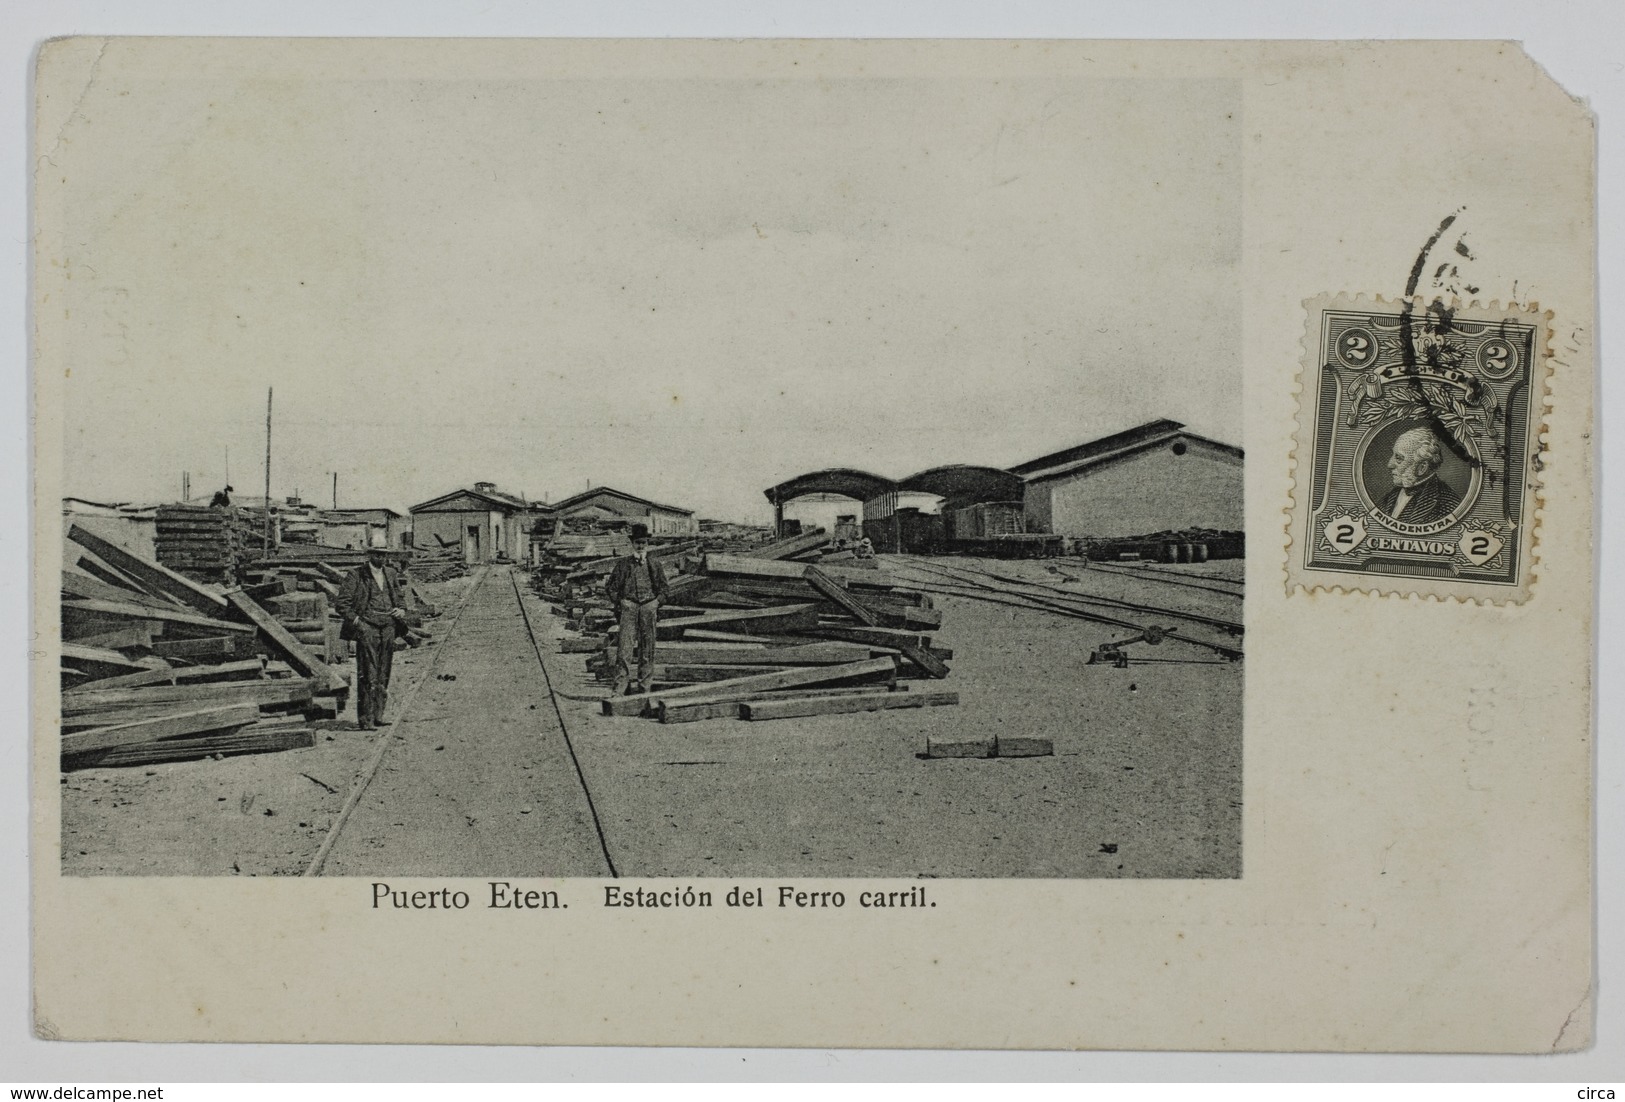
(267, 542)
(335, 489)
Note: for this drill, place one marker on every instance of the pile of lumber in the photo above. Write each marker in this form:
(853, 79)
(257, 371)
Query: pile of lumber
(207, 543)
(159, 667)
(814, 546)
(763, 636)
(438, 564)
(303, 596)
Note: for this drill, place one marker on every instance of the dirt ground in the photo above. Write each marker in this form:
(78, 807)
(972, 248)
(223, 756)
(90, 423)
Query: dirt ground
(479, 776)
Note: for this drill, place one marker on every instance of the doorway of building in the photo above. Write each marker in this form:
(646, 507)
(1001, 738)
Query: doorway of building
(471, 545)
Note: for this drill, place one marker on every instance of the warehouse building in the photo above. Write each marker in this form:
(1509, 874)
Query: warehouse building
(485, 523)
(1154, 478)
(606, 504)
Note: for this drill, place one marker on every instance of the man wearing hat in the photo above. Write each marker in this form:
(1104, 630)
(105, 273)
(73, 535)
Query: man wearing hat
(635, 588)
(369, 602)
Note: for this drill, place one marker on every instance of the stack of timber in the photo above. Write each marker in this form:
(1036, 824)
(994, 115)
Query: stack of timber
(157, 666)
(206, 543)
(438, 563)
(756, 637)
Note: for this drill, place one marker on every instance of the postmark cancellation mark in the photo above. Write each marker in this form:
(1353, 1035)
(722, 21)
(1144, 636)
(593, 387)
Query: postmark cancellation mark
(1417, 448)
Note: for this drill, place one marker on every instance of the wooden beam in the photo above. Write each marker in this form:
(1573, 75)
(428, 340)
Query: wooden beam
(96, 568)
(745, 566)
(676, 673)
(729, 709)
(745, 686)
(246, 740)
(835, 705)
(138, 636)
(297, 654)
(259, 693)
(220, 646)
(853, 633)
(83, 585)
(101, 656)
(792, 545)
(225, 671)
(837, 593)
(148, 730)
(131, 611)
(151, 574)
(778, 618)
(810, 654)
(706, 635)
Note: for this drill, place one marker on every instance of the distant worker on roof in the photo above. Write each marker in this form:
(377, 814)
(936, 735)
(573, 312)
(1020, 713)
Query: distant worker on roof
(636, 587)
(221, 499)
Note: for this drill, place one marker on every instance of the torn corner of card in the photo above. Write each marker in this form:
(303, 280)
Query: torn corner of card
(781, 543)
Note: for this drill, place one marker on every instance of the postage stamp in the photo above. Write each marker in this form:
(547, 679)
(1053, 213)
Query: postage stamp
(1418, 447)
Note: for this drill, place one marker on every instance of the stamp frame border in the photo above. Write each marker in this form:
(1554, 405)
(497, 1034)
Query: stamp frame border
(1301, 461)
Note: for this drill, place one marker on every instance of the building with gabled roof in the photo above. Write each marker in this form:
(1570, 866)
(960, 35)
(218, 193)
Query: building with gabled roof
(608, 504)
(1156, 477)
(483, 522)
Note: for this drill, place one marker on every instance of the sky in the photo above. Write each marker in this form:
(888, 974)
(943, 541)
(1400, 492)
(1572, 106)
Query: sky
(686, 289)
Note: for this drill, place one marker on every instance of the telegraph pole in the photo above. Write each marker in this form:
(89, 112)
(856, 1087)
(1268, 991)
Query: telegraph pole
(267, 542)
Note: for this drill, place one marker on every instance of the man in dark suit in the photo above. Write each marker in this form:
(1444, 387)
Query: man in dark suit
(370, 605)
(1418, 497)
(635, 589)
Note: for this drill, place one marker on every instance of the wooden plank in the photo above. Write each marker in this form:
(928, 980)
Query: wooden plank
(746, 686)
(137, 636)
(729, 709)
(83, 585)
(259, 693)
(837, 593)
(835, 705)
(148, 730)
(297, 654)
(96, 568)
(744, 566)
(218, 647)
(248, 740)
(959, 746)
(791, 545)
(874, 598)
(810, 654)
(706, 635)
(132, 611)
(151, 574)
(778, 618)
(1023, 746)
(853, 633)
(925, 659)
(674, 673)
(225, 671)
(101, 656)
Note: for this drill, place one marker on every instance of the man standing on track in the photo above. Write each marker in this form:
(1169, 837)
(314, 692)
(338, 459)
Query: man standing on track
(635, 588)
(369, 602)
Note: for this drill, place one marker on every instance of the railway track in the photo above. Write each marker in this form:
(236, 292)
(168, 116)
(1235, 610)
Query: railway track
(1013, 586)
(952, 581)
(388, 736)
(1227, 586)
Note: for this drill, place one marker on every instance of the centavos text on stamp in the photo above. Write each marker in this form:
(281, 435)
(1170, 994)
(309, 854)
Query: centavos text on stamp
(1418, 434)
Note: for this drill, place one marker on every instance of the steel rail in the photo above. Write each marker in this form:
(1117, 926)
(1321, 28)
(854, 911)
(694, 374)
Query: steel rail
(386, 738)
(943, 570)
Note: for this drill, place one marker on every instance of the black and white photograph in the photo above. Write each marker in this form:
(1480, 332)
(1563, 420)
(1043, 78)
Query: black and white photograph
(559, 478)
